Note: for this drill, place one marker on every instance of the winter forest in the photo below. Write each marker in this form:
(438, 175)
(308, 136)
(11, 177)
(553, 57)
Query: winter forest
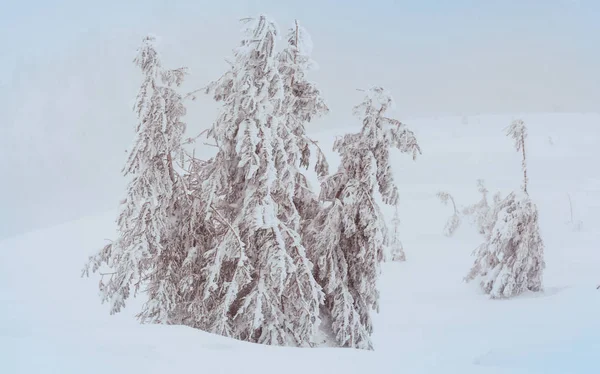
(242, 245)
(314, 187)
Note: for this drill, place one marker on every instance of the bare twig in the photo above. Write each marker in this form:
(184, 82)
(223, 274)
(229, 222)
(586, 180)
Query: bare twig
(453, 204)
(316, 144)
(192, 95)
(191, 140)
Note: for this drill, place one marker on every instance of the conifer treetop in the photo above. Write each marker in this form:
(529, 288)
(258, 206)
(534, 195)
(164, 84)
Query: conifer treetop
(518, 132)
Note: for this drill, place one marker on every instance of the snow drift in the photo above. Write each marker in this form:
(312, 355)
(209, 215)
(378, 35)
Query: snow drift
(51, 320)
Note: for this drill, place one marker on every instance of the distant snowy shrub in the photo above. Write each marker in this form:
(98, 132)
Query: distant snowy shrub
(479, 213)
(454, 221)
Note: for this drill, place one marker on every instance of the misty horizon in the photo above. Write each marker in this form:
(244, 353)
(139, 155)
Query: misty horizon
(67, 81)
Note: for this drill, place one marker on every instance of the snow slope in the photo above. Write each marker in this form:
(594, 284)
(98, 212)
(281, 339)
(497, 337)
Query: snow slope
(51, 320)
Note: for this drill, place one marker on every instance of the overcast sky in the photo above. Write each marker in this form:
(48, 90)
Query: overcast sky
(67, 81)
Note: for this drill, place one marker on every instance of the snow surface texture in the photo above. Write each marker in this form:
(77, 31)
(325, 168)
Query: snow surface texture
(51, 321)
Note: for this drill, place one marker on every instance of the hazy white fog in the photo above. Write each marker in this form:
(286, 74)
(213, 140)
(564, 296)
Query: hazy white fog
(67, 80)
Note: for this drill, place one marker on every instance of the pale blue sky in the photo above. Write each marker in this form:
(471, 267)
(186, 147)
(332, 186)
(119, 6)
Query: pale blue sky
(32, 23)
(35, 26)
(537, 42)
(67, 81)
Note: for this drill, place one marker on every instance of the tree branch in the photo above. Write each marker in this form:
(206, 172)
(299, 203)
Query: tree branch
(224, 221)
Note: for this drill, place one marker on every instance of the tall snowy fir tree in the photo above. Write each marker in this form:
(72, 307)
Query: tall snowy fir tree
(144, 253)
(348, 237)
(257, 282)
(297, 203)
(302, 104)
(511, 260)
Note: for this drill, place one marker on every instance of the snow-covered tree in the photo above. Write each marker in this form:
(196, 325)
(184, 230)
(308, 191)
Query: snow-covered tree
(348, 237)
(396, 247)
(144, 252)
(297, 202)
(302, 104)
(510, 261)
(257, 280)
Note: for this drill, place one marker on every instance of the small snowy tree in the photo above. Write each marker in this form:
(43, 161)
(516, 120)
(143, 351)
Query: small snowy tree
(454, 221)
(510, 261)
(144, 252)
(257, 283)
(349, 236)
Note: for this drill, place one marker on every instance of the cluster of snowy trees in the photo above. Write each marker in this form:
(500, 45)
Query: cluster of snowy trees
(239, 244)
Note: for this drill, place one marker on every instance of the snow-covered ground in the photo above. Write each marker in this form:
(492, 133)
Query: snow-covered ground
(51, 320)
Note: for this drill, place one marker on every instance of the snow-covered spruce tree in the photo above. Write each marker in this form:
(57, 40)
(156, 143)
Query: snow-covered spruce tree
(144, 253)
(347, 238)
(510, 261)
(396, 247)
(302, 104)
(257, 280)
(298, 204)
